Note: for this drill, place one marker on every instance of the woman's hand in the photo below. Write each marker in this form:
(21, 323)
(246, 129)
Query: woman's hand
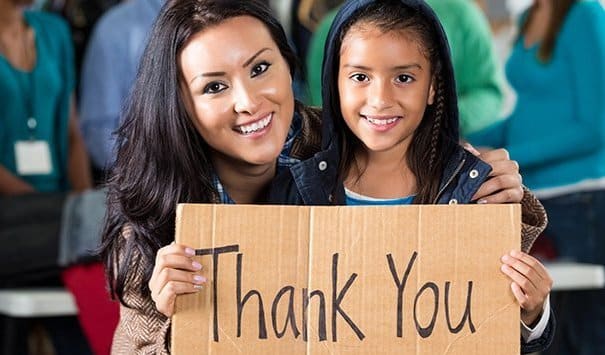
(504, 184)
(531, 284)
(174, 273)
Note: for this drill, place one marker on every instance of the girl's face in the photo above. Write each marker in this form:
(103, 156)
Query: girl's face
(238, 89)
(384, 85)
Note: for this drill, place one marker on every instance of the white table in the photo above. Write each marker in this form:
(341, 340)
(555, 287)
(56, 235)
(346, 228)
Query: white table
(569, 276)
(37, 302)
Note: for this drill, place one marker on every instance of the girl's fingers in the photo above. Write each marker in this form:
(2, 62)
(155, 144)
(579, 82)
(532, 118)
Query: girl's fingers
(534, 263)
(164, 301)
(521, 297)
(523, 281)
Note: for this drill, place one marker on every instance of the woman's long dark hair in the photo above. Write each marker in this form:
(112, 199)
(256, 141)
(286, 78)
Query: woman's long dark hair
(560, 9)
(431, 144)
(162, 160)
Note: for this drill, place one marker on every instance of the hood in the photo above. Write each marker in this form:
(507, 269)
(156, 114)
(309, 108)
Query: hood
(331, 102)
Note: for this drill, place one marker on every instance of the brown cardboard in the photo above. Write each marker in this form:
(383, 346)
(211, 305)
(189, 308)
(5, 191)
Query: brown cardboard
(294, 249)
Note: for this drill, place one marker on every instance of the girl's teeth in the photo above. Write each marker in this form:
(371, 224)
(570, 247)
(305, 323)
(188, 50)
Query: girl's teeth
(381, 122)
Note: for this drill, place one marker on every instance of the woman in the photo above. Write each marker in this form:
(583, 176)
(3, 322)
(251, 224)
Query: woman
(557, 134)
(205, 124)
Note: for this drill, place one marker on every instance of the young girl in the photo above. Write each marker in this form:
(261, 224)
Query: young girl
(390, 99)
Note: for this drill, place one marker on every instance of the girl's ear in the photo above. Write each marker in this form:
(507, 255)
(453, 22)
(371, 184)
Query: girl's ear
(431, 97)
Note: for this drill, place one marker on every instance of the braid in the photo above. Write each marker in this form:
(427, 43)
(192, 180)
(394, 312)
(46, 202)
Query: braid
(435, 131)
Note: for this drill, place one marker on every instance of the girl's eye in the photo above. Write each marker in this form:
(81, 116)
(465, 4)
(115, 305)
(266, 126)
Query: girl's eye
(404, 78)
(359, 77)
(260, 68)
(214, 87)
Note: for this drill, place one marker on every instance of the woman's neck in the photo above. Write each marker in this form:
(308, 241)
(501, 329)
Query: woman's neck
(11, 17)
(17, 39)
(538, 24)
(381, 175)
(244, 183)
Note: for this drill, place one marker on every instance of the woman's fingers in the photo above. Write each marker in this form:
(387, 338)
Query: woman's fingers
(500, 189)
(504, 186)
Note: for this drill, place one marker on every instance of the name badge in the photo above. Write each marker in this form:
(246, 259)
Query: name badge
(33, 158)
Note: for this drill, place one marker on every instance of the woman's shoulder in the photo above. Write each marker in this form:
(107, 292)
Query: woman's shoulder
(586, 10)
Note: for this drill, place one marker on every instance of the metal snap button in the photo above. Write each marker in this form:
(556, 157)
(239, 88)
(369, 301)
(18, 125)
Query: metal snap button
(322, 165)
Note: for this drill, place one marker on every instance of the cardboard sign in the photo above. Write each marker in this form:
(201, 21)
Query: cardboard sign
(349, 280)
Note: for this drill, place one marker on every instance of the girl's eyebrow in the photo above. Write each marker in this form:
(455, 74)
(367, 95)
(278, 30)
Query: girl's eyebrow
(399, 67)
(408, 67)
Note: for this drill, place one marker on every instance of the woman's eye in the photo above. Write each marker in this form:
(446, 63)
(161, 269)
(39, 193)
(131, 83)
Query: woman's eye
(404, 78)
(214, 88)
(359, 77)
(260, 68)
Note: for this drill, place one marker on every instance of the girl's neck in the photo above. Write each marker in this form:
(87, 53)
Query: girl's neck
(381, 175)
(244, 183)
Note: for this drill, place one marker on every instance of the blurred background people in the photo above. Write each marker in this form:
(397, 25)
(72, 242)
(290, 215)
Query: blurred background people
(557, 135)
(41, 151)
(110, 65)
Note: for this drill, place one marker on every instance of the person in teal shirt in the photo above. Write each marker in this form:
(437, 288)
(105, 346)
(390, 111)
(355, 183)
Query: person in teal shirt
(478, 74)
(41, 150)
(557, 135)
(36, 105)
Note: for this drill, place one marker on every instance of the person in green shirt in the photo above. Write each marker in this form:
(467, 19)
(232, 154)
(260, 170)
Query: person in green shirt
(478, 74)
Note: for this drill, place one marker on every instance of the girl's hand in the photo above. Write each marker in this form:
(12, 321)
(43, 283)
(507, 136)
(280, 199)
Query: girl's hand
(531, 283)
(174, 273)
(504, 186)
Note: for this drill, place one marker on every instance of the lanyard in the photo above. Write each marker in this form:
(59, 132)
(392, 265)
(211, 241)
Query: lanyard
(29, 95)
(26, 84)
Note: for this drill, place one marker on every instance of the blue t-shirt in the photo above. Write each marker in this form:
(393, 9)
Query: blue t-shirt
(355, 199)
(43, 93)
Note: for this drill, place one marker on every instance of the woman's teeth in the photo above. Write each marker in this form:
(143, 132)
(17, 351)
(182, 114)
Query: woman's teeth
(256, 126)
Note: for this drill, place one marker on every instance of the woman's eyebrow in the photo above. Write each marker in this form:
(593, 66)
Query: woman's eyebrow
(246, 63)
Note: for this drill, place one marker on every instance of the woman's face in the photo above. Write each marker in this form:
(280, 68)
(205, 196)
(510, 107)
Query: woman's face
(238, 87)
